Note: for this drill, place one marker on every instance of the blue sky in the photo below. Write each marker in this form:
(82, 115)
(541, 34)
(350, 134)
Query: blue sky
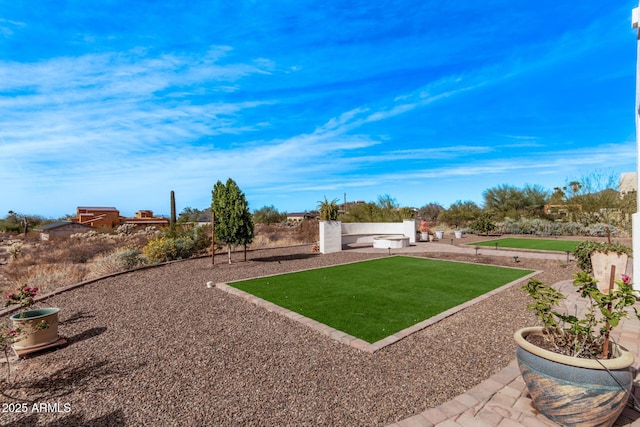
(116, 103)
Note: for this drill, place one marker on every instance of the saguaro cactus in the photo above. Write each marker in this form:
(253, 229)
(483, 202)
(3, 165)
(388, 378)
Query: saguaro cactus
(172, 220)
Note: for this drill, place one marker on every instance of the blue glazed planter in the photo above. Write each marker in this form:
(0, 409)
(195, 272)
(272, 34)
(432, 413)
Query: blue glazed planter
(574, 391)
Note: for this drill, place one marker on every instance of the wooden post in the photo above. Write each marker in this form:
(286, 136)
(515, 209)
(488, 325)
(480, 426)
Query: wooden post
(605, 347)
(213, 238)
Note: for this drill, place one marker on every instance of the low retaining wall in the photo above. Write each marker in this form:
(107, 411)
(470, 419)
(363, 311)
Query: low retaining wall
(334, 234)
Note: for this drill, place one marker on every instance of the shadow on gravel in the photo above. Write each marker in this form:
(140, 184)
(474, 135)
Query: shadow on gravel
(116, 419)
(279, 258)
(85, 335)
(76, 317)
(62, 382)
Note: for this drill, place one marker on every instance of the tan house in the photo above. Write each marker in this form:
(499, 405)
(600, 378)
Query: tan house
(299, 216)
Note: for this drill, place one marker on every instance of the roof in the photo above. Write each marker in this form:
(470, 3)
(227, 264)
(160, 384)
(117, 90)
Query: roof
(97, 208)
(61, 224)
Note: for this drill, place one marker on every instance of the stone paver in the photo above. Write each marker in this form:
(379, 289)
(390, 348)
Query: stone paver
(503, 400)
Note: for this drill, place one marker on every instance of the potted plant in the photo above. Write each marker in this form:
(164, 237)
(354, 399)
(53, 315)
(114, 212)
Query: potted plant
(34, 328)
(597, 257)
(440, 233)
(575, 374)
(424, 231)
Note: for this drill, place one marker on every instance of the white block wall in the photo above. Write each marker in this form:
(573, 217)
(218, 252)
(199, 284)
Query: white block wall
(330, 237)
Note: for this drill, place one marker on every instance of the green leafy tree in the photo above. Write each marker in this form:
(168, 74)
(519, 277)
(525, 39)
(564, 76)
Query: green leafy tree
(386, 209)
(535, 198)
(460, 213)
(430, 212)
(268, 215)
(194, 215)
(509, 201)
(233, 223)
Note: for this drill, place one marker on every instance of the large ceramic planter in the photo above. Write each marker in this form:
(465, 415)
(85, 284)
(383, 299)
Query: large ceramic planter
(574, 391)
(440, 234)
(424, 236)
(458, 234)
(33, 337)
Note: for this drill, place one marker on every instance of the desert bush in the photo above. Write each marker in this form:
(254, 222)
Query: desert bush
(601, 230)
(14, 250)
(165, 248)
(80, 252)
(47, 277)
(119, 260)
(307, 231)
(160, 249)
(201, 236)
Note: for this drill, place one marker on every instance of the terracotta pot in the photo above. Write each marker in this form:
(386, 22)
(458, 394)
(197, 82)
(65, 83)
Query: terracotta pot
(601, 263)
(27, 321)
(573, 391)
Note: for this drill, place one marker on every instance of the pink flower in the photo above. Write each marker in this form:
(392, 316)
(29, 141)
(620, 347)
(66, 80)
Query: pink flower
(626, 279)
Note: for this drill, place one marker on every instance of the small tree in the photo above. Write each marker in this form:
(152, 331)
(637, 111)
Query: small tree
(233, 223)
(460, 213)
(430, 212)
(268, 215)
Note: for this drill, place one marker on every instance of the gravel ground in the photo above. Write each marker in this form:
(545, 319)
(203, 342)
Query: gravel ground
(156, 347)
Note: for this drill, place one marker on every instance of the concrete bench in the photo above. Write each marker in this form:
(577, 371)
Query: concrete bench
(357, 238)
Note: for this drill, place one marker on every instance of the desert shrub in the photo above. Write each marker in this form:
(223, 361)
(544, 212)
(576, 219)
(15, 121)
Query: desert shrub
(47, 277)
(116, 261)
(167, 248)
(600, 230)
(185, 247)
(307, 231)
(201, 236)
(160, 249)
(14, 250)
(80, 252)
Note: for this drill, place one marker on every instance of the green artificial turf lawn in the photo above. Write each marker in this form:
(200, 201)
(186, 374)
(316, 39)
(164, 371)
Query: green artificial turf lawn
(540, 244)
(374, 299)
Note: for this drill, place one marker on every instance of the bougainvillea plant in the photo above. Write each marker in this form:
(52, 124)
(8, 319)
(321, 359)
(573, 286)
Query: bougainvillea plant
(9, 334)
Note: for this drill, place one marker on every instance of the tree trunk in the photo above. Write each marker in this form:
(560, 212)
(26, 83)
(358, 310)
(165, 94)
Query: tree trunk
(229, 252)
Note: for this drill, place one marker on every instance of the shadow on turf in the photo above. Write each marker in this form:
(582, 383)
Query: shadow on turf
(279, 258)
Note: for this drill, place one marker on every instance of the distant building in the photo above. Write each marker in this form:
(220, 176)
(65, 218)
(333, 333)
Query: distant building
(628, 183)
(299, 216)
(62, 230)
(109, 217)
(146, 219)
(97, 216)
